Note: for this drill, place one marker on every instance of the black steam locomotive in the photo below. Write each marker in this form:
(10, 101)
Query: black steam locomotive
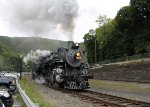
(64, 68)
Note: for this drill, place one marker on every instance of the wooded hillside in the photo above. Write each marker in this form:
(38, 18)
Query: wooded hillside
(125, 35)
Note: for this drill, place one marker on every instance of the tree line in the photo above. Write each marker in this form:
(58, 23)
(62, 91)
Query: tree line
(9, 59)
(125, 35)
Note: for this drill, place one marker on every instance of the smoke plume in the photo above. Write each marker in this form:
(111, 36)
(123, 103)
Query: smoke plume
(40, 17)
(33, 56)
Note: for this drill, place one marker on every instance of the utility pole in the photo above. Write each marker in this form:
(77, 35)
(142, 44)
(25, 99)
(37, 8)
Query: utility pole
(95, 51)
(28, 69)
(20, 67)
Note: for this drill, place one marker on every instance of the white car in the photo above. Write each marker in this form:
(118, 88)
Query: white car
(11, 75)
(6, 97)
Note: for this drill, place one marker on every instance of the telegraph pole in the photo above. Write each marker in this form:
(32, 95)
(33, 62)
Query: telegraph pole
(20, 67)
(95, 51)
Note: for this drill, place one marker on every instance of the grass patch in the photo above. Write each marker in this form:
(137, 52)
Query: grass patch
(119, 86)
(32, 92)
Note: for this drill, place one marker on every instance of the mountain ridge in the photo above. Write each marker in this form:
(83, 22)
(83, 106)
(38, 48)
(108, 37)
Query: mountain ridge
(25, 44)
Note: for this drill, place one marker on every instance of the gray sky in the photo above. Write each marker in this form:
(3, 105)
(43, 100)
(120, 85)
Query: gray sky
(54, 19)
(90, 10)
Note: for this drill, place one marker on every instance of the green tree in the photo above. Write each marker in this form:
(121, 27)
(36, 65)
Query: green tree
(89, 41)
(140, 14)
(101, 20)
(124, 26)
(104, 36)
(127, 34)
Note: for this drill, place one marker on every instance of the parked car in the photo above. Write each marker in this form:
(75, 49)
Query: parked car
(1, 103)
(15, 75)
(6, 96)
(8, 81)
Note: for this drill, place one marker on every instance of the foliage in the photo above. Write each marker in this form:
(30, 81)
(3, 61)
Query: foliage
(8, 58)
(89, 41)
(105, 38)
(125, 35)
(140, 14)
(101, 20)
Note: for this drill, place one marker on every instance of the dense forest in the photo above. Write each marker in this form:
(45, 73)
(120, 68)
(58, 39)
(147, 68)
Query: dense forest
(8, 58)
(126, 35)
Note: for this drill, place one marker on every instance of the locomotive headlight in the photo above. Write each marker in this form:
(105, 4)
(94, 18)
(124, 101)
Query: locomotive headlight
(78, 55)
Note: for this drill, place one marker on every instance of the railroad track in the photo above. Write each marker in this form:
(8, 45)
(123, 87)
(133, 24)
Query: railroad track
(105, 100)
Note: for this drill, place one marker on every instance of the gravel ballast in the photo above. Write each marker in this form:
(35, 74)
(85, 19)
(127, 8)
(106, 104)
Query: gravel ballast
(60, 99)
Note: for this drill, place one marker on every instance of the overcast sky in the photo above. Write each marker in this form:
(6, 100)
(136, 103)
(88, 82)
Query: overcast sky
(54, 19)
(90, 10)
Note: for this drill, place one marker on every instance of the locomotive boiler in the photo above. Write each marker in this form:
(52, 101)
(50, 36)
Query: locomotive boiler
(64, 67)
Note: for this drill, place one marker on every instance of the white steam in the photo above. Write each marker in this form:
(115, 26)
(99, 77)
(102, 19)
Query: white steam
(33, 56)
(40, 17)
(40, 79)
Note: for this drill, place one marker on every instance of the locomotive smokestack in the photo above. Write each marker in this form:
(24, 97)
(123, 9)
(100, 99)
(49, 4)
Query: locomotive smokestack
(72, 45)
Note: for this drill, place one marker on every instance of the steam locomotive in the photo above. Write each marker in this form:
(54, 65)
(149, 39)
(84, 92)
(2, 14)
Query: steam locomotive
(64, 68)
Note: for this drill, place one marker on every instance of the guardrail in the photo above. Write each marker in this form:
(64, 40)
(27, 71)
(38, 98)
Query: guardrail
(26, 99)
